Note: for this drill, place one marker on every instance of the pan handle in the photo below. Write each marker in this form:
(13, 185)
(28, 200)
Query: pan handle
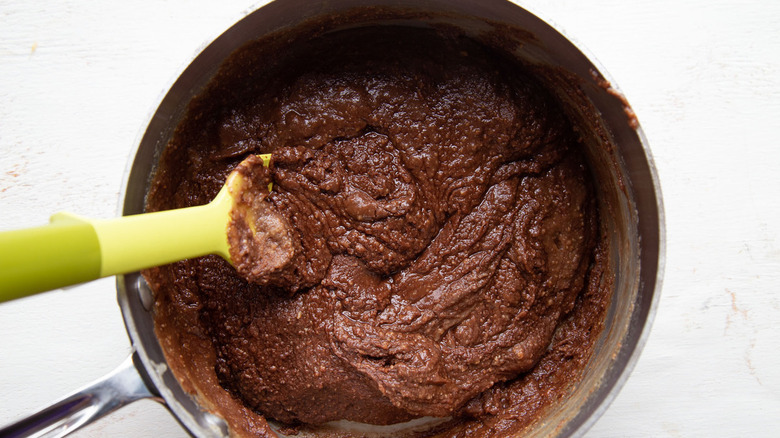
(122, 386)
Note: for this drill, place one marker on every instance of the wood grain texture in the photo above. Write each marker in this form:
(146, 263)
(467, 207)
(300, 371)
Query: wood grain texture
(78, 79)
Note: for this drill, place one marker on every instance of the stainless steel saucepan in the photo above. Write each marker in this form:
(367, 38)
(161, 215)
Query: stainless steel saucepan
(629, 191)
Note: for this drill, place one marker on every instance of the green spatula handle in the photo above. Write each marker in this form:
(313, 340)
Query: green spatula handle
(64, 252)
(72, 250)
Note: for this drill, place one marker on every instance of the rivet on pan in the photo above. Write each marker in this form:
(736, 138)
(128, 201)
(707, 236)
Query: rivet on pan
(144, 293)
(214, 423)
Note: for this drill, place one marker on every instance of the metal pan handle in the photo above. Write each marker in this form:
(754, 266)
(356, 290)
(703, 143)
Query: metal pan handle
(122, 386)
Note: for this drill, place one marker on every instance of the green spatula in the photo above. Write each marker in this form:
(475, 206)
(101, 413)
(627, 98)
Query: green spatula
(71, 249)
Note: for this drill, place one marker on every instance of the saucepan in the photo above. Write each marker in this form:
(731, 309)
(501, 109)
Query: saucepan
(629, 198)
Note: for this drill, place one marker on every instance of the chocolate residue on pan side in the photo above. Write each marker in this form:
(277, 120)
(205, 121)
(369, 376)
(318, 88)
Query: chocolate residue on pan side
(602, 82)
(445, 257)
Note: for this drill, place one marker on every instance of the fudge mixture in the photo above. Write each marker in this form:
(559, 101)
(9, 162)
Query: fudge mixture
(433, 234)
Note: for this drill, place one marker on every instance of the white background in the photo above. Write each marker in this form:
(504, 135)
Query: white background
(78, 79)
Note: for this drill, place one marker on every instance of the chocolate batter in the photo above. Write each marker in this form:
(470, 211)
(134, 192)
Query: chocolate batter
(433, 228)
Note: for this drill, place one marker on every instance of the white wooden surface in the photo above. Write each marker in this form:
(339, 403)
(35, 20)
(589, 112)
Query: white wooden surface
(78, 78)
